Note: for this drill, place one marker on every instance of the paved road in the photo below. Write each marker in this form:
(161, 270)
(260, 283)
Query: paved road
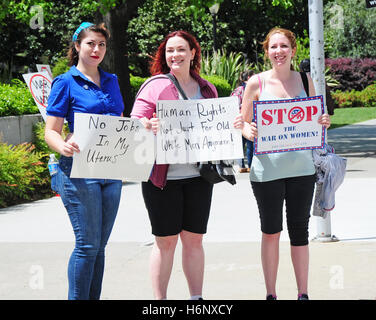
(36, 241)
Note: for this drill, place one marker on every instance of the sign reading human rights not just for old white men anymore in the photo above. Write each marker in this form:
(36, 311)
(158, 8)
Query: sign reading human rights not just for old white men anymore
(112, 148)
(198, 130)
(289, 125)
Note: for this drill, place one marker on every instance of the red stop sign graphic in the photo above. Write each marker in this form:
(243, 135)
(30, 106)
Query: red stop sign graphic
(296, 115)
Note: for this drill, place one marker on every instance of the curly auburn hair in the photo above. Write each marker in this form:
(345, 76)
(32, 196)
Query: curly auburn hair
(159, 65)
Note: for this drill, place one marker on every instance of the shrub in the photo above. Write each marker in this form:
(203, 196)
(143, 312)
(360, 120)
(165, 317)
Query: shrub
(16, 99)
(136, 83)
(23, 174)
(350, 99)
(227, 66)
(223, 87)
(349, 29)
(60, 67)
(351, 73)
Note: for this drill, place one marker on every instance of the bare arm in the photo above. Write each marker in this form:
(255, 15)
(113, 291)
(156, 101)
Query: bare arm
(52, 135)
(251, 93)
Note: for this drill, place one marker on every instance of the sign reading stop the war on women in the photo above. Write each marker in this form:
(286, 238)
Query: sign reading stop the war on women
(112, 148)
(39, 84)
(289, 125)
(198, 130)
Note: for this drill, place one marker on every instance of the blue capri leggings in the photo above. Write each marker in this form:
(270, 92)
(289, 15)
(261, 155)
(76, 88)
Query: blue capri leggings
(298, 194)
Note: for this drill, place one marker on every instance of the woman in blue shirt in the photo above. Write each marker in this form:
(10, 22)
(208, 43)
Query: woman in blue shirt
(92, 204)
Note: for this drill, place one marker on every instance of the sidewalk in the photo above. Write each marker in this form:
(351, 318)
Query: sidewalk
(36, 241)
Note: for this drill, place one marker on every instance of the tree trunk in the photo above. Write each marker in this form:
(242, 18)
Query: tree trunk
(116, 59)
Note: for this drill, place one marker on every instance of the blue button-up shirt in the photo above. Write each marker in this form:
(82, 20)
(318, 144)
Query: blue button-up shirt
(73, 92)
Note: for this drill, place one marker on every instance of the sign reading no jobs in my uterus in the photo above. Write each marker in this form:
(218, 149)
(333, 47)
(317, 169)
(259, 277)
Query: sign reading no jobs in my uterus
(198, 130)
(289, 125)
(112, 148)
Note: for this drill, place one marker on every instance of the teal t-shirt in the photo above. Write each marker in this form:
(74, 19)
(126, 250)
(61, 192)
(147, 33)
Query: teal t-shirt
(273, 166)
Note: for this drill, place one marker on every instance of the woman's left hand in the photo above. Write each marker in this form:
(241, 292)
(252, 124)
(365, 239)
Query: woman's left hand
(324, 120)
(239, 122)
(151, 124)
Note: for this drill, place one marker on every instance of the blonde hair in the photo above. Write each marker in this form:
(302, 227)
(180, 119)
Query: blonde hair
(287, 33)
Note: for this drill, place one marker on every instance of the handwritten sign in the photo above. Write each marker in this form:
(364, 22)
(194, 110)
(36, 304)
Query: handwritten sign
(370, 3)
(44, 68)
(39, 84)
(198, 130)
(112, 148)
(288, 125)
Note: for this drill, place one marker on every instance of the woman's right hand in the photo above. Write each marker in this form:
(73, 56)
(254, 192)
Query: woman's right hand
(69, 146)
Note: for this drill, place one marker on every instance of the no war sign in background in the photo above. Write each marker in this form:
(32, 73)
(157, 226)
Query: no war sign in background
(370, 3)
(39, 84)
(198, 130)
(289, 125)
(112, 148)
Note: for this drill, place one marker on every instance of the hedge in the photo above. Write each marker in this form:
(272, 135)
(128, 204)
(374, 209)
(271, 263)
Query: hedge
(350, 99)
(223, 87)
(23, 174)
(352, 73)
(16, 99)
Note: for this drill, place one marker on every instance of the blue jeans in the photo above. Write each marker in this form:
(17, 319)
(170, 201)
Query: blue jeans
(249, 153)
(92, 205)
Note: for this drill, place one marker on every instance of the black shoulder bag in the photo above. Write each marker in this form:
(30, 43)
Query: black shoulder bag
(211, 171)
(305, 82)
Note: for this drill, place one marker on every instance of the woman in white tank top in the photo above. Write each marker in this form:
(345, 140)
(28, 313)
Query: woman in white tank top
(282, 177)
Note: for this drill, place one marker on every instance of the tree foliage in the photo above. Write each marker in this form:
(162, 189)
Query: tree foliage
(25, 44)
(348, 34)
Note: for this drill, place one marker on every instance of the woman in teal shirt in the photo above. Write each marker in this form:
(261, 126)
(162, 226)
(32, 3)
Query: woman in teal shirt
(281, 177)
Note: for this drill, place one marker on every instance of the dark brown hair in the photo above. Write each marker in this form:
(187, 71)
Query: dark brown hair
(72, 52)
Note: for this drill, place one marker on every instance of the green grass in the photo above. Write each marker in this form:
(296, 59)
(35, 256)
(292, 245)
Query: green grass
(345, 116)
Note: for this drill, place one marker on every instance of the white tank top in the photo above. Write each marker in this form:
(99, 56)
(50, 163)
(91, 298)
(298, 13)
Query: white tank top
(273, 166)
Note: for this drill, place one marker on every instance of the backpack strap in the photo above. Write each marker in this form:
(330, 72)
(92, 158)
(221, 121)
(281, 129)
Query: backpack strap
(305, 82)
(177, 85)
(147, 82)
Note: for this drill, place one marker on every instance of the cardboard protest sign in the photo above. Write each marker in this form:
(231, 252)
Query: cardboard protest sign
(198, 130)
(370, 3)
(39, 84)
(112, 148)
(44, 68)
(288, 125)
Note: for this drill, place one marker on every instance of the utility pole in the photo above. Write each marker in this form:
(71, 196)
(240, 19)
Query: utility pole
(317, 63)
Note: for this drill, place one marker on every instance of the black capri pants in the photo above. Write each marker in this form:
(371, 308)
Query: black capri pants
(181, 205)
(298, 194)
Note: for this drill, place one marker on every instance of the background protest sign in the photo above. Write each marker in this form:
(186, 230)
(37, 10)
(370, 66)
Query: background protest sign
(44, 68)
(370, 3)
(198, 130)
(39, 84)
(112, 148)
(289, 125)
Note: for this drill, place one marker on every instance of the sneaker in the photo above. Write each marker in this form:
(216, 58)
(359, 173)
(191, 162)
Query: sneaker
(242, 170)
(271, 297)
(303, 296)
